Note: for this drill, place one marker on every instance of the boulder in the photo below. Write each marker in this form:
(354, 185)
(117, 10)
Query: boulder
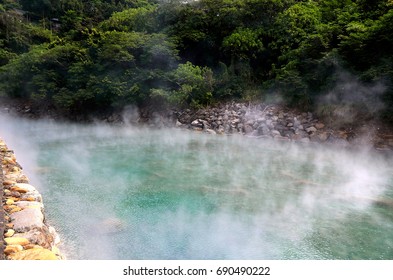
(27, 219)
(34, 254)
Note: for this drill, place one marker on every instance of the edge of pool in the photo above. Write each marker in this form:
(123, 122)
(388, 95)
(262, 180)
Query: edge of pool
(26, 235)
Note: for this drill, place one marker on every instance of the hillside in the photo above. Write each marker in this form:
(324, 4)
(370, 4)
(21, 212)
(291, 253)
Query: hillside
(83, 57)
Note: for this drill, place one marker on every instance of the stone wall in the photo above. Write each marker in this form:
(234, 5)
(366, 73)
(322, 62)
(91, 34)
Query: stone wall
(25, 233)
(1, 210)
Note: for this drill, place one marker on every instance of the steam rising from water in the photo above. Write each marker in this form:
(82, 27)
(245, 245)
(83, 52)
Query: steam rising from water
(351, 101)
(134, 193)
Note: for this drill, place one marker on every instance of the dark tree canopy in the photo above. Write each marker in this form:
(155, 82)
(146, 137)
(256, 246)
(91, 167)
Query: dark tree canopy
(94, 55)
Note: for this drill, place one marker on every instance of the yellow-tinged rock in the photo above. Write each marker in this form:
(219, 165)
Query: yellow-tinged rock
(33, 207)
(29, 198)
(16, 241)
(9, 207)
(18, 189)
(9, 201)
(34, 254)
(16, 209)
(8, 182)
(32, 246)
(11, 249)
(56, 251)
(9, 160)
(9, 225)
(15, 169)
(9, 233)
(7, 192)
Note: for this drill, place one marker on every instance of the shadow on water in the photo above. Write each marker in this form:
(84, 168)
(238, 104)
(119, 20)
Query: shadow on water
(134, 193)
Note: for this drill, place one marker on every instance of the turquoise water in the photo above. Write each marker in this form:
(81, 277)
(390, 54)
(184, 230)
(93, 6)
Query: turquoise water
(132, 193)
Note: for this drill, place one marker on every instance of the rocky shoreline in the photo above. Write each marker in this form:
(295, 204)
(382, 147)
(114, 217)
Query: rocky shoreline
(25, 233)
(258, 120)
(273, 121)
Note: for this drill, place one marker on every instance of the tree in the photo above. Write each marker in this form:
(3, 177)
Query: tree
(141, 19)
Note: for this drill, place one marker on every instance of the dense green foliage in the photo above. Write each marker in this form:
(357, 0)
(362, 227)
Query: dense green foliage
(83, 56)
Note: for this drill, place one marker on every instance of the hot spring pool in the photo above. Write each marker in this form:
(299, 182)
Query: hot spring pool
(134, 193)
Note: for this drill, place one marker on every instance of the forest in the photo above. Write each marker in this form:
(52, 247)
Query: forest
(79, 57)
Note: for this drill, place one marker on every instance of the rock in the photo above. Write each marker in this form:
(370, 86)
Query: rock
(16, 241)
(210, 131)
(269, 123)
(9, 201)
(18, 189)
(29, 204)
(38, 236)
(8, 182)
(24, 188)
(31, 246)
(235, 121)
(8, 160)
(9, 207)
(11, 249)
(311, 129)
(281, 138)
(15, 210)
(15, 199)
(248, 129)
(305, 140)
(9, 233)
(263, 130)
(296, 137)
(53, 233)
(15, 169)
(323, 136)
(34, 254)
(198, 124)
(9, 225)
(221, 129)
(29, 198)
(56, 251)
(27, 219)
(319, 125)
(275, 133)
